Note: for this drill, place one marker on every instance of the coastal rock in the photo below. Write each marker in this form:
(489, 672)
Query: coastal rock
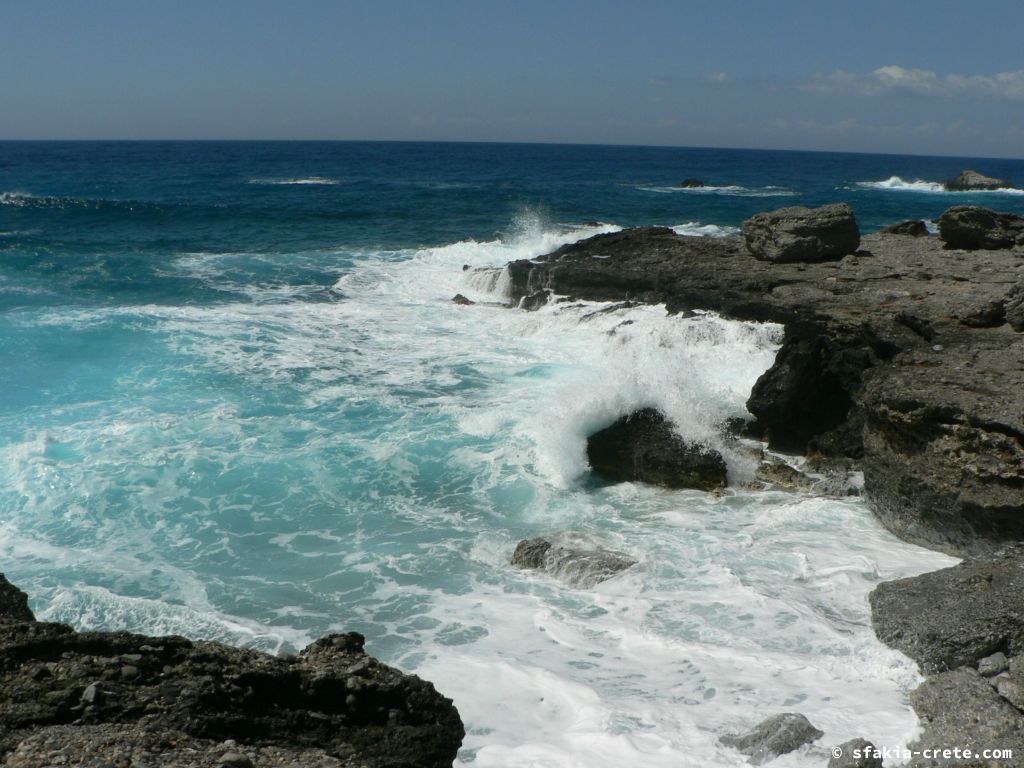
(972, 181)
(855, 753)
(691, 184)
(643, 446)
(802, 234)
(13, 603)
(579, 566)
(913, 228)
(779, 474)
(971, 228)
(957, 616)
(332, 698)
(458, 298)
(778, 735)
(959, 709)
(1013, 308)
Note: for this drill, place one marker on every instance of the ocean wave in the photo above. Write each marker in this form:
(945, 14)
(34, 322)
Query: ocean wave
(704, 230)
(19, 199)
(322, 181)
(898, 184)
(729, 191)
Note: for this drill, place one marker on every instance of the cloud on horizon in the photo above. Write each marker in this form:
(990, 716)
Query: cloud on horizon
(894, 79)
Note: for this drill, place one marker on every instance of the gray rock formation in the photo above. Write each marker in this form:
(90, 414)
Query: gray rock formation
(957, 616)
(643, 446)
(972, 228)
(960, 709)
(13, 603)
(972, 181)
(579, 566)
(887, 349)
(79, 694)
(778, 735)
(1013, 307)
(802, 234)
(855, 753)
(913, 228)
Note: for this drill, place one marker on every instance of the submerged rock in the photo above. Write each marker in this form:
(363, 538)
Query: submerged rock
(691, 184)
(972, 227)
(855, 753)
(913, 228)
(66, 691)
(968, 181)
(643, 446)
(458, 298)
(802, 234)
(957, 616)
(582, 567)
(778, 735)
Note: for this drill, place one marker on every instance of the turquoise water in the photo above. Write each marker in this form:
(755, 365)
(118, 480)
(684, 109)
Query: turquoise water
(236, 402)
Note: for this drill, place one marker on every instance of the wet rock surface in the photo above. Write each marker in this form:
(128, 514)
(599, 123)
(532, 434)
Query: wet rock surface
(905, 353)
(643, 446)
(855, 753)
(130, 692)
(778, 735)
(957, 616)
(579, 565)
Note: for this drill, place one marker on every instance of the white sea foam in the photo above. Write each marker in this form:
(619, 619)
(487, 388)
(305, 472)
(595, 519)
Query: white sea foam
(308, 180)
(896, 184)
(471, 431)
(728, 191)
(705, 230)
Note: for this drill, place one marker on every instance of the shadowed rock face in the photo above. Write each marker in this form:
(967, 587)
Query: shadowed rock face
(972, 228)
(644, 447)
(908, 354)
(802, 234)
(967, 181)
(778, 735)
(577, 565)
(913, 228)
(331, 698)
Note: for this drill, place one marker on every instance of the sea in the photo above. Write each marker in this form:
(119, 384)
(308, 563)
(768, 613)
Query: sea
(238, 403)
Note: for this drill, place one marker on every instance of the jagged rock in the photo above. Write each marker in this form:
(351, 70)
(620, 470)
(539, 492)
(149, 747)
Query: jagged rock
(971, 181)
(855, 753)
(643, 446)
(778, 735)
(778, 473)
(971, 228)
(331, 697)
(802, 234)
(959, 709)
(957, 616)
(458, 298)
(913, 228)
(582, 567)
(13, 602)
(1014, 308)
(535, 300)
(691, 184)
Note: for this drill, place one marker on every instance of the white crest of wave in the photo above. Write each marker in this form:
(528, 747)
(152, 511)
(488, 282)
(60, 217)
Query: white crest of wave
(18, 199)
(697, 229)
(897, 184)
(301, 181)
(731, 190)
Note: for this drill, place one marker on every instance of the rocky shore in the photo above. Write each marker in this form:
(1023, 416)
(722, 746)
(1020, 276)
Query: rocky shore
(121, 699)
(904, 354)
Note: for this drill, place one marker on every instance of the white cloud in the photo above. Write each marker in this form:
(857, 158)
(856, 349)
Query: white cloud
(716, 76)
(924, 82)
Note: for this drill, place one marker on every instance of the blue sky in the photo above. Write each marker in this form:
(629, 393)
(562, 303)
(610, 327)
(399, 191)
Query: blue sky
(935, 77)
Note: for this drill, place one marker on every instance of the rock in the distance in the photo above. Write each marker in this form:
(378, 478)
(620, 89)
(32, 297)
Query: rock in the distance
(972, 181)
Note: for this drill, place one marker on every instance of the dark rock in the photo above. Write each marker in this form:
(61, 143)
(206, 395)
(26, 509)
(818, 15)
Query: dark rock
(1014, 308)
(959, 709)
(691, 184)
(13, 603)
(214, 692)
(579, 566)
(535, 300)
(778, 473)
(991, 314)
(643, 446)
(956, 616)
(778, 735)
(458, 298)
(972, 181)
(802, 234)
(855, 753)
(913, 228)
(972, 228)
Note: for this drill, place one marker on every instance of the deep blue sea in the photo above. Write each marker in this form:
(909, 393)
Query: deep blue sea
(237, 403)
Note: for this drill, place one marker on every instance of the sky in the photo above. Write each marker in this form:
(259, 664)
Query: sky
(902, 76)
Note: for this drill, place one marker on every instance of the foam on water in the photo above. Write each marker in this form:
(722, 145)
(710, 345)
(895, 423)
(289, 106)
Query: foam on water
(896, 184)
(386, 450)
(310, 180)
(731, 190)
